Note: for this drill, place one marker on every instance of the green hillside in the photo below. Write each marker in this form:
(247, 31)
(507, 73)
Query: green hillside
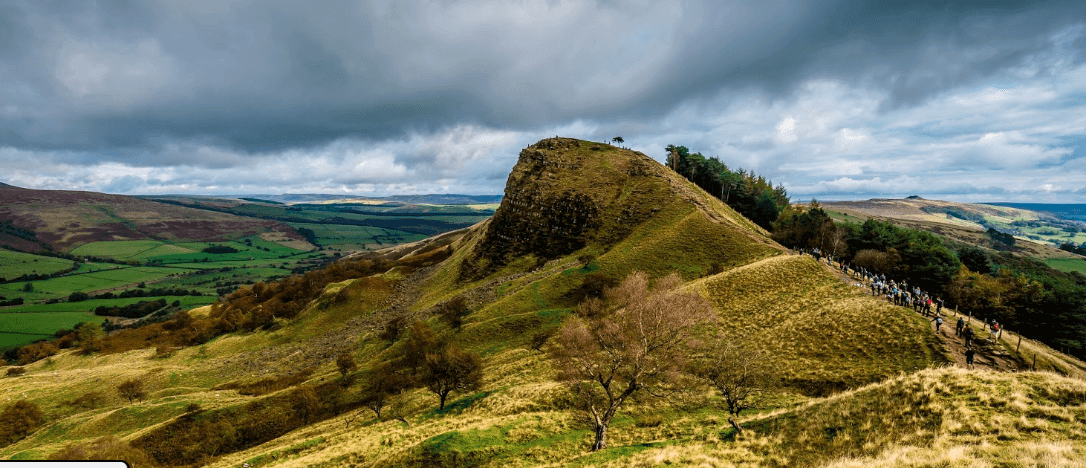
(228, 384)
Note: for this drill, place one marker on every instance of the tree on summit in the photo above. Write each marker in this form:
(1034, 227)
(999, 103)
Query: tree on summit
(618, 139)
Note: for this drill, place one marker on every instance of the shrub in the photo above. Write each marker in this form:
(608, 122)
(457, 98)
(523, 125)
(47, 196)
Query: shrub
(649, 420)
(393, 327)
(132, 390)
(345, 363)
(15, 371)
(36, 352)
(453, 311)
(19, 420)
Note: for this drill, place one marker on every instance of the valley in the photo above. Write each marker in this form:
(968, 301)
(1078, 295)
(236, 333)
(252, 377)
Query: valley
(106, 246)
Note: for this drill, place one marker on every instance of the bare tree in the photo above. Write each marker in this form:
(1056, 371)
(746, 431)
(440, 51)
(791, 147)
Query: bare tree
(132, 390)
(381, 384)
(452, 370)
(740, 373)
(639, 344)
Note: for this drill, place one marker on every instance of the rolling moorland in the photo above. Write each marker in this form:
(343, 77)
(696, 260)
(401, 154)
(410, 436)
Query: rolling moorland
(967, 223)
(65, 255)
(860, 382)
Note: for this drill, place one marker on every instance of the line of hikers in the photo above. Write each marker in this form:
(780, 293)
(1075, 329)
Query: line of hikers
(901, 295)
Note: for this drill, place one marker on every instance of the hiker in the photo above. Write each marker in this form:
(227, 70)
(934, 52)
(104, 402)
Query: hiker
(938, 322)
(960, 325)
(968, 335)
(939, 305)
(969, 353)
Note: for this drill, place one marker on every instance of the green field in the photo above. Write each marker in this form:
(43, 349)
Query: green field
(1068, 264)
(16, 264)
(20, 329)
(346, 237)
(91, 304)
(96, 281)
(183, 252)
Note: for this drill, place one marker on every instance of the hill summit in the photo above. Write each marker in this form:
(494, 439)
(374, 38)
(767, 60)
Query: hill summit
(564, 195)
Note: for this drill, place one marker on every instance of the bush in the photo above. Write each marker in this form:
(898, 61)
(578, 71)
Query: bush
(453, 311)
(219, 249)
(132, 390)
(15, 371)
(393, 327)
(19, 420)
(36, 352)
(649, 420)
(345, 363)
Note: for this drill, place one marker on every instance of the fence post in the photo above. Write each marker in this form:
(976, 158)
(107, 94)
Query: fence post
(1019, 343)
(1034, 366)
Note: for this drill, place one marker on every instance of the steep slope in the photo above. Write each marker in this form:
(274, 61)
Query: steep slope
(273, 397)
(565, 195)
(827, 335)
(36, 220)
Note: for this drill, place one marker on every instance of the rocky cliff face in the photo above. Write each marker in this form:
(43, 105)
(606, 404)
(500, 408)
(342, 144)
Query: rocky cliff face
(562, 195)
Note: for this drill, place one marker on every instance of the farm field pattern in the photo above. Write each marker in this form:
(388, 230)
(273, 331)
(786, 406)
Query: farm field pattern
(172, 264)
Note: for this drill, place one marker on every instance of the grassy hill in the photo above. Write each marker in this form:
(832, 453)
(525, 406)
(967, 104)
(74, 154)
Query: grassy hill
(573, 212)
(1038, 234)
(56, 220)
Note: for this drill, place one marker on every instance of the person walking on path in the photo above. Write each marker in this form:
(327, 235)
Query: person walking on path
(959, 327)
(938, 323)
(969, 353)
(968, 335)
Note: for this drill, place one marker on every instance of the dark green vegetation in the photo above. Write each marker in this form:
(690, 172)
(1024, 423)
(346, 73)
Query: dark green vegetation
(752, 196)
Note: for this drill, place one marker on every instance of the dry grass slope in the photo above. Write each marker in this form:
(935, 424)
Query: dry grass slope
(827, 335)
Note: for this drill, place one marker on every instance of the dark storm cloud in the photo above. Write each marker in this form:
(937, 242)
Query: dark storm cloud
(263, 76)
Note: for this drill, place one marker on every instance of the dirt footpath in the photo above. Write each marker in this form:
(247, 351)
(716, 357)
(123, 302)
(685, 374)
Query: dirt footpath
(989, 354)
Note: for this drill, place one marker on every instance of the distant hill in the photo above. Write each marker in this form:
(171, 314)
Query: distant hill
(432, 199)
(1040, 232)
(57, 220)
(1076, 212)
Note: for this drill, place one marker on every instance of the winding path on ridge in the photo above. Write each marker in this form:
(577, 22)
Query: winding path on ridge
(988, 354)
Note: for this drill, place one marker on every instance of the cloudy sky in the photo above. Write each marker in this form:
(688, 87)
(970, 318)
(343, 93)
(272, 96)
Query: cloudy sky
(834, 99)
